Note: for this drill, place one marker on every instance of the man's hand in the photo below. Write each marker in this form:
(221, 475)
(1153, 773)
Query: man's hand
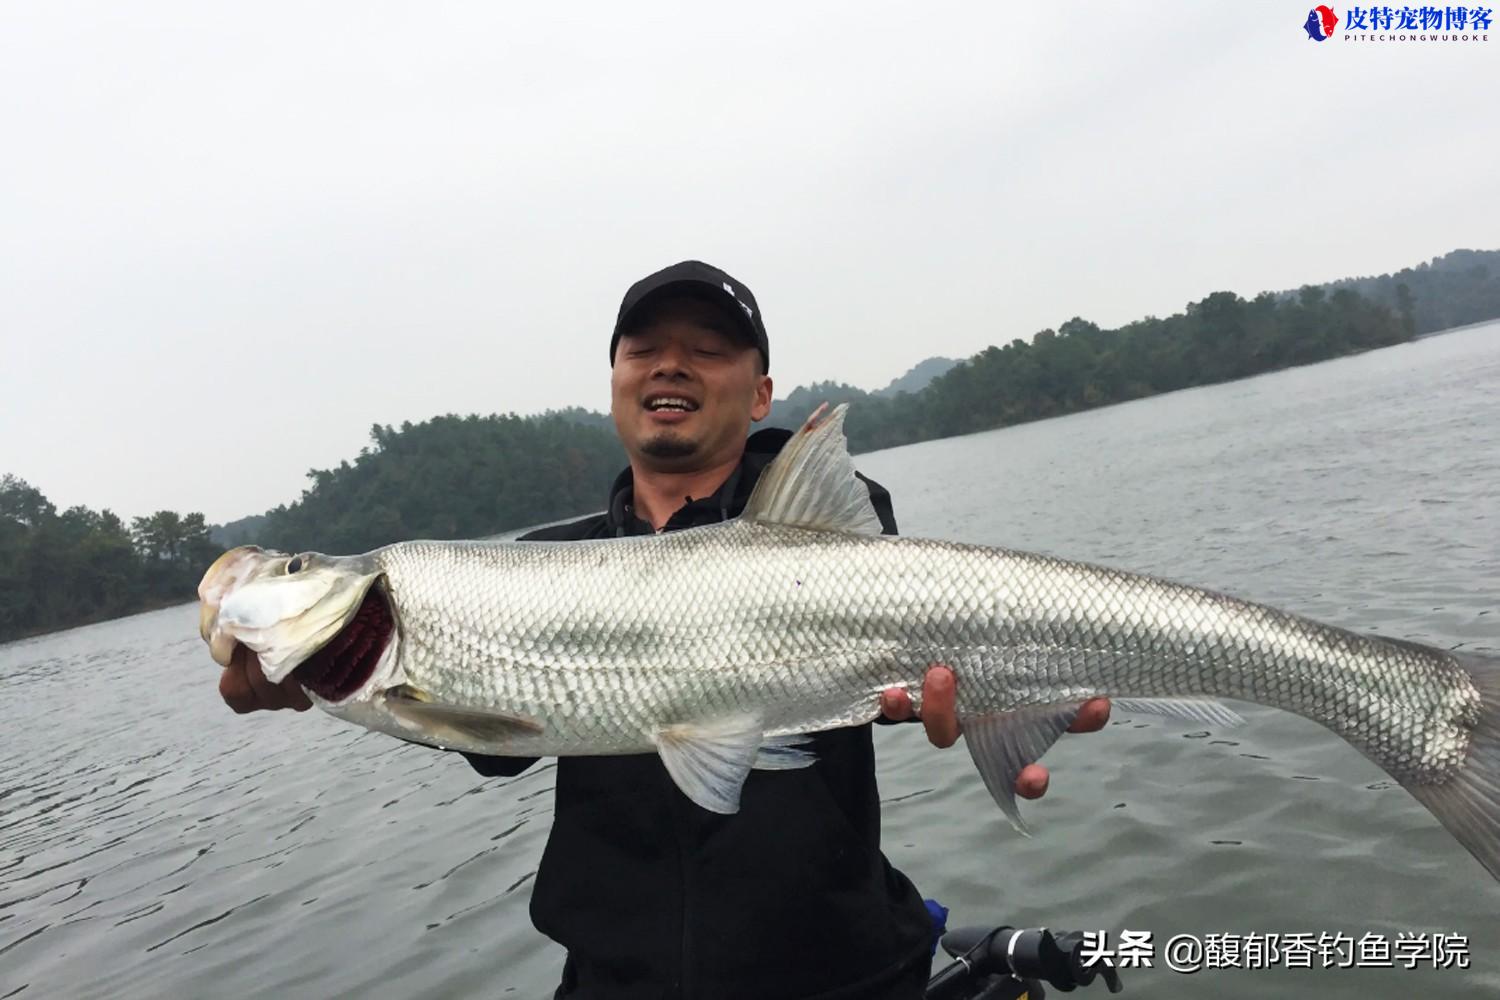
(244, 687)
(939, 718)
(939, 697)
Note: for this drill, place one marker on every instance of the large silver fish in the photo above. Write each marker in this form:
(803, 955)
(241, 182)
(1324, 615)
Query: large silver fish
(718, 647)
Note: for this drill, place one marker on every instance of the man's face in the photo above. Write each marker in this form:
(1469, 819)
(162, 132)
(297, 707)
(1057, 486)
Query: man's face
(685, 388)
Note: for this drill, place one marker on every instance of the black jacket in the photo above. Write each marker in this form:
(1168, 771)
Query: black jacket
(655, 897)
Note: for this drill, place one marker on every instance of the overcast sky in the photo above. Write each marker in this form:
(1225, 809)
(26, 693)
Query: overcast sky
(233, 236)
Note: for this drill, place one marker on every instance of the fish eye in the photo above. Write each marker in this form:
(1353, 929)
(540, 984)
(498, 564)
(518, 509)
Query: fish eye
(295, 565)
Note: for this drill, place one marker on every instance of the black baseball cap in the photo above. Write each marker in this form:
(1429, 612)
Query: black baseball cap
(698, 280)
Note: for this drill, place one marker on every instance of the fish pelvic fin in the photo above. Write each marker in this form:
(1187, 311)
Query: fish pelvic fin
(710, 760)
(1468, 803)
(812, 484)
(1004, 743)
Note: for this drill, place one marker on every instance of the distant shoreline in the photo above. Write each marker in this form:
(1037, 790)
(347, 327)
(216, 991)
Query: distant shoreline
(157, 605)
(1456, 329)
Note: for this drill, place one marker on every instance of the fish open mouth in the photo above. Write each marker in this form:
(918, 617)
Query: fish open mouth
(348, 660)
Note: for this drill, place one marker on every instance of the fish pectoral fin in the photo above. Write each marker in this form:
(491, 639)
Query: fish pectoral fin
(416, 710)
(710, 760)
(1005, 742)
(1204, 710)
(812, 484)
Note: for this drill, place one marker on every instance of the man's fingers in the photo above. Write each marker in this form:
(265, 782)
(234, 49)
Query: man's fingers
(267, 694)
(296, 698)
(1093, 715)
(1032, 782)
(939, 700)
(235, 689)
(939, 706)
(244, 687)
(895, 704)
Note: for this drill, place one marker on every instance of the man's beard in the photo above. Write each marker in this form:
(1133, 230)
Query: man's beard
(669, 446)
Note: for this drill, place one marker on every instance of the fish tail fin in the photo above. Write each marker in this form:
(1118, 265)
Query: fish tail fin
(1468, 804)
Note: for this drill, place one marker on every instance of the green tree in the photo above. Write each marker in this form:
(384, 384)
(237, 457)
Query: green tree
(471, 476)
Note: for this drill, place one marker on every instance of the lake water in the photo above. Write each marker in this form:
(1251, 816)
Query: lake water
(152, 843)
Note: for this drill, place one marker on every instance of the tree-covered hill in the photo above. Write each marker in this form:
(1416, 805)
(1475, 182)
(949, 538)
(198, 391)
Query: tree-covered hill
(460, 477)
(918, 376)
(451, 477)
(1456, 289)
(64, 569)
(1079, 366)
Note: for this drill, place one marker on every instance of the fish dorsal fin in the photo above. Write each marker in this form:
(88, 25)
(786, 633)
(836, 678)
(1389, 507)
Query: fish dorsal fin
(812, 484)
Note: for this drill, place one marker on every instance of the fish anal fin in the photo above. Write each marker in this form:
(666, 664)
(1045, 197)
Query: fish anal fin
(811, 483)
(1003, 743)
(418, 711)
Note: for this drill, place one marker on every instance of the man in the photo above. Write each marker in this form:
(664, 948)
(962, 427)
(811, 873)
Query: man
(652, 895)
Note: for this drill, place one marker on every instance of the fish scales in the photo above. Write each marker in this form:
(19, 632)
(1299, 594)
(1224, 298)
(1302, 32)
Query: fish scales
(719, 648)
(612, 638)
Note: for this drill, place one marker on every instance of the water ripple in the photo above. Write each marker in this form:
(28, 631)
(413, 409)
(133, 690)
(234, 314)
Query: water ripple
(1361, 492)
